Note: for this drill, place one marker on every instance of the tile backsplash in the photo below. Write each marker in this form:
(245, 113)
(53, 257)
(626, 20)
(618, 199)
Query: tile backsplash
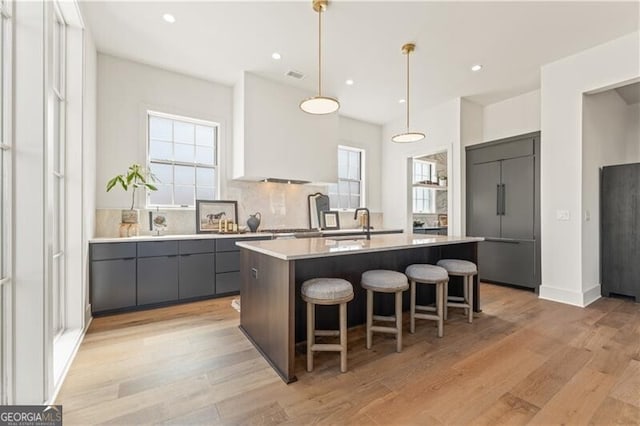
(281, 206)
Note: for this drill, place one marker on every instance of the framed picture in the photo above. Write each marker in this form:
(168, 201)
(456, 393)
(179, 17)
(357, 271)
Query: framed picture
(209, 213)
(330, 220)
(158, 221)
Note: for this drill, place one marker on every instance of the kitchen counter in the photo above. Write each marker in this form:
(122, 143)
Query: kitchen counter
(308, 248)
(273, 314)
(213, 235)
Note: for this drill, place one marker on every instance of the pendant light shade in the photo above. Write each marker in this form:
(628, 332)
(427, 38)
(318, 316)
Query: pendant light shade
(320, 104)
(408, 136)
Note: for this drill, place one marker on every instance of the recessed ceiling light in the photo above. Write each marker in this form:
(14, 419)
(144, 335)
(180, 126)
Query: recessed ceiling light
(169, 18)
(349, 82)
(476, 67)
(401, 101)
(276, 56)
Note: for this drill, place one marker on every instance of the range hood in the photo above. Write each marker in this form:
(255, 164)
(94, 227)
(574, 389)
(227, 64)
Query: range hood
(288, 181)
(274, 140)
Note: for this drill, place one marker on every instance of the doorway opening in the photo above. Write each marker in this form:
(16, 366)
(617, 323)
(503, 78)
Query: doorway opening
(429, 193)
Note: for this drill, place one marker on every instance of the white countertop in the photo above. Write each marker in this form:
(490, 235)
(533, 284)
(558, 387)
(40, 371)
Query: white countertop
(307, 248)
(142, 238)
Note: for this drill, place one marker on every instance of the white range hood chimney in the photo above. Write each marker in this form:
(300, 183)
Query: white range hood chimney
(274, 139)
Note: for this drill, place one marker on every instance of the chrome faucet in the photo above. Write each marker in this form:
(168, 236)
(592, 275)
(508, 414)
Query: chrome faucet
(368, 216)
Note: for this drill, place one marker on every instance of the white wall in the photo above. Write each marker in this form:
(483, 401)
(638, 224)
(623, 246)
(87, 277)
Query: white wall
(512, 117)
(126, 90)
(471, 132)
(563, 85)
(633, 131)
(441, 125)
(607, 133)
(367, 136)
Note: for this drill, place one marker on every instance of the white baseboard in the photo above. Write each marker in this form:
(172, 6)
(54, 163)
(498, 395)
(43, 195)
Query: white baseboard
(591, 295)
(69, 361)
(569, 297)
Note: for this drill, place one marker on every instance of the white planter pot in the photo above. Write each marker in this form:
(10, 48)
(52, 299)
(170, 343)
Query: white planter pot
(130, 216)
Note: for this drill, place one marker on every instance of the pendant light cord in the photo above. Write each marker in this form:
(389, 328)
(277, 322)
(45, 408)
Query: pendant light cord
(320, 52)
(408, 53)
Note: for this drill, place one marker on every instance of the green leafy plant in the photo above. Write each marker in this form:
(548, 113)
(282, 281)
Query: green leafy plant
(136, 177)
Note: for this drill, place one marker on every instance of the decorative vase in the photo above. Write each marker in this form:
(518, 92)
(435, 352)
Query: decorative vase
(254, 221)
(130, 216)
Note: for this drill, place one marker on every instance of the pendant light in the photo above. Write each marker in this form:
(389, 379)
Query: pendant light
(320, 104)
(408, 136)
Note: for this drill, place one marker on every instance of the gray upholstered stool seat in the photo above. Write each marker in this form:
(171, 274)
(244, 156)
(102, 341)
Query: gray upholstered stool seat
(329, 289)
(426, 272)
(384, 281)
(466, 270)
(326, 291)
(433, 275)
(458, 266)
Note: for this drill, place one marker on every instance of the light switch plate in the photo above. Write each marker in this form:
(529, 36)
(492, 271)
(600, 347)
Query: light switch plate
(563, 215)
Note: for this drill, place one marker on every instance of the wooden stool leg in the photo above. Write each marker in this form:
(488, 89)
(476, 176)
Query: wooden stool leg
(311, 319)
(412, 308)
(446, 300)
(470, 293)
(343, 337)
(465, 289)
(440, 301)
(369, 316)
(399, 321)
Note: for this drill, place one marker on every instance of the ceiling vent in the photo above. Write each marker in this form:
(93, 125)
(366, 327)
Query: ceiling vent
(294, 74)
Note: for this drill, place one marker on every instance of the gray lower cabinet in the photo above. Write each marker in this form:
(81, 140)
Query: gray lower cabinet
(113, 276)
(130, 275)
(197, 277)
(157, 279)
(113, 284)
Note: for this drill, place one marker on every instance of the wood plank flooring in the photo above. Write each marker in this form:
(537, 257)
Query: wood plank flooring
(522, 361)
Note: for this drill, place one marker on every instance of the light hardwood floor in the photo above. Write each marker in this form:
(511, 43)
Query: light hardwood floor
(522, 361)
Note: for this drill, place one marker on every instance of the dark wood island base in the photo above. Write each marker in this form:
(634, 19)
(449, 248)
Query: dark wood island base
(273, 315)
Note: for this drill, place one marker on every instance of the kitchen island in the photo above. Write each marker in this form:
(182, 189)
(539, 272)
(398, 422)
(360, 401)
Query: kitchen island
(271, 274)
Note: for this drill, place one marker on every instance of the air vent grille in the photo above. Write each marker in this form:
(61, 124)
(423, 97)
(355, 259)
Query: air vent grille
(295, 74)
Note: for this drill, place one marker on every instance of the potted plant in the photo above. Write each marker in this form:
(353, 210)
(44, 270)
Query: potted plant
(136, 177)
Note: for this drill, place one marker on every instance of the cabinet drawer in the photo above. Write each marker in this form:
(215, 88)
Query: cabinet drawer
(197, 246)
(228, 282)
(507, 262)
(103, 251)
(227, 262)
(158, 248)
(229, 244)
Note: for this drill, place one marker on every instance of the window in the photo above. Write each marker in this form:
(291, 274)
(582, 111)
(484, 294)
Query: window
(57, 174)
(424, 199)
(348, 192)
(5, 198)
(183, 158)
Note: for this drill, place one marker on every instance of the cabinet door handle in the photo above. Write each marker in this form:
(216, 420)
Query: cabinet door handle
(128, 258)
(504, 197)
(498, 204)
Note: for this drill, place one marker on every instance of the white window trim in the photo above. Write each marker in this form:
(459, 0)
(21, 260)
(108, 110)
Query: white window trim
(6, 138)
(432, 201)
(362, 180)
(216, 126)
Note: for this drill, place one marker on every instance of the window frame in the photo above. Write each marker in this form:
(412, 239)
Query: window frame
(361, 181)
(57, 173)
(430, 201)
(215, 167)
(6, 201)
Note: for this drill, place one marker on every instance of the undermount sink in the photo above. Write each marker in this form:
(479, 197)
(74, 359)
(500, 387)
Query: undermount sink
(347, 238)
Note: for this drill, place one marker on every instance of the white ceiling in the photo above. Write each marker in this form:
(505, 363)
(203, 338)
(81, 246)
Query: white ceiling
(362, 40)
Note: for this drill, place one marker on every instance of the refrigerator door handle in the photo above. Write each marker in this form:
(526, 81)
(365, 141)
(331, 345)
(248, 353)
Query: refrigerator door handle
(498, 204)
(503, 198)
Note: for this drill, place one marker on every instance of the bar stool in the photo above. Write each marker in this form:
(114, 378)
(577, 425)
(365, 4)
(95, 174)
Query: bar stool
(466, 270)
(428, 274)
(326, 291)
(384, 281)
